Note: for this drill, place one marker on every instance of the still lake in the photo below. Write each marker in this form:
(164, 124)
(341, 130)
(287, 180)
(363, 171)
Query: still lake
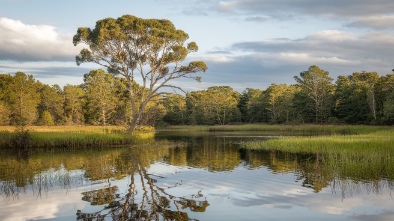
(191, 176)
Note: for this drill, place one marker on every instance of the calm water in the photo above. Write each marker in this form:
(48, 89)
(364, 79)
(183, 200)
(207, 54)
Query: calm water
(192, 177)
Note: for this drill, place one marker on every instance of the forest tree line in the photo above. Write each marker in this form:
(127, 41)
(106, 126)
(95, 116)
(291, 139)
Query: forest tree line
(359, 98)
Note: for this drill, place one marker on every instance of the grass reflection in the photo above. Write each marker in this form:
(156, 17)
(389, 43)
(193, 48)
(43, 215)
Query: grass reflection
(341, 173)
(143, 198)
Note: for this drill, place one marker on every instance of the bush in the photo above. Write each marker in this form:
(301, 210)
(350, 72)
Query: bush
(22, 140)
(46, 119)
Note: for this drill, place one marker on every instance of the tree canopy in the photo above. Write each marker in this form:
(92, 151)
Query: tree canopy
(103, 99)
(148, 49)
(316, 87)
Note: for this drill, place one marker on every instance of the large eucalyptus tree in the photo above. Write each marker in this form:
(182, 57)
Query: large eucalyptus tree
(148, 49)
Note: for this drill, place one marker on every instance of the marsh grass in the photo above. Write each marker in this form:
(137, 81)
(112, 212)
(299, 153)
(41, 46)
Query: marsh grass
(366, 158)
(45, 140)
(70, 136)
(380, 141)
(360, 157)
(345, 162)
(69, 129)
(305, 128)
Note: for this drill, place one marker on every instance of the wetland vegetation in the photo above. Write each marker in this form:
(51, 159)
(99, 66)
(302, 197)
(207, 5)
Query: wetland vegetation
(353, 140)
(47, 137)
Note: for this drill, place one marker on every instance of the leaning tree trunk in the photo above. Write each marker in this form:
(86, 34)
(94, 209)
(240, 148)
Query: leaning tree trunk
(137, 115)
(132, 126)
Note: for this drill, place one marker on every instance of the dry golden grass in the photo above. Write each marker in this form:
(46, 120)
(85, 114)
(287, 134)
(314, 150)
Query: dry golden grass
(69, 129)
(71, 136)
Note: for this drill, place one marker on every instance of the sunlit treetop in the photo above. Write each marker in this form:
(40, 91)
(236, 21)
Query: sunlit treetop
(148, 46)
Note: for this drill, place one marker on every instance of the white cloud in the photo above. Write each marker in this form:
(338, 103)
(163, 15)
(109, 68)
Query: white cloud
(279, 60)
(32, 207)
(332, 36)
(333, 8)
(227, 6)
(353, 13)
(219, 59)
(296, 58)
(328, 44)
(24, 42)
(379, 22)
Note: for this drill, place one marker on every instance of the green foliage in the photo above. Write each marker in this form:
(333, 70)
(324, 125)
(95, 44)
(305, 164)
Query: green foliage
(357, 98)
(152, 48)
(175, 106)
(4, 114)
(21, 140)
(279, 101)
(100, 95)
(316, 89)
(217, 105)
(388, 109)
(5, 87)
(24, 99)
(360, 98)
(73, 104)
(51, 101)
(154, 113)
(255, 106)
(46, 119)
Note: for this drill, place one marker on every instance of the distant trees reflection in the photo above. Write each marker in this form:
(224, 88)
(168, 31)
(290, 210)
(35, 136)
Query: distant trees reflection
(146, 199)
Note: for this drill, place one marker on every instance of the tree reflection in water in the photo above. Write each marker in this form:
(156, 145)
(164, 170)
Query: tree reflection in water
(344, 174)
(143, 198)
(154, 203)
(101, 196)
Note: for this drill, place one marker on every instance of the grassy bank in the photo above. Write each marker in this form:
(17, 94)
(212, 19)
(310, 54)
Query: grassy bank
(304, 128)
(69, 136)
(379, 141)
(366, 157)
(68, 129)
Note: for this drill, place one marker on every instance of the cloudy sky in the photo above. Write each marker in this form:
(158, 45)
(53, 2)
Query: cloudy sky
(245, 43)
